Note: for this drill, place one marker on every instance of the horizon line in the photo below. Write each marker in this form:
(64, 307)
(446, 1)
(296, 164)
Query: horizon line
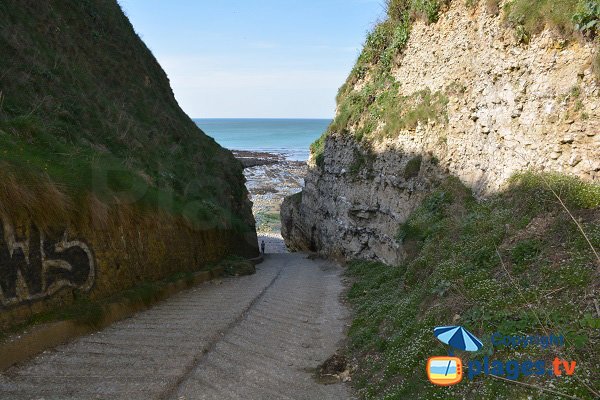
(250, 118)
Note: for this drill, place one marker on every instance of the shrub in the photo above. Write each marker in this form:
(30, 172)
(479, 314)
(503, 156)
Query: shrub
(412, 168)
(317, 148)
(398, 9)
(587, 17)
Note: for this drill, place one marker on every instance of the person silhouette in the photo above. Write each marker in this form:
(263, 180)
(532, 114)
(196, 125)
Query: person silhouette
(262, 247)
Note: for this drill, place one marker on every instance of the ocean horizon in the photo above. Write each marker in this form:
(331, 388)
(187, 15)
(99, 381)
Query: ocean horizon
(290, 137)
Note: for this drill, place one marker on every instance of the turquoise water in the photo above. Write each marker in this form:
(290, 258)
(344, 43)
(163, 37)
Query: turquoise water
(291, 137)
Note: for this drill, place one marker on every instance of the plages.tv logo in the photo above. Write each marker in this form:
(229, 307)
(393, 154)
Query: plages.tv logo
(448, 370)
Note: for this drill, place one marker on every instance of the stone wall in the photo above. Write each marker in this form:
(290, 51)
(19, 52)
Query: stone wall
(510, 107)
(40, 271)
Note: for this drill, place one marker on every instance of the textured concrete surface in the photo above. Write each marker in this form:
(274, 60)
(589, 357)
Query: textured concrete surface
(254, 337)
(273, 243)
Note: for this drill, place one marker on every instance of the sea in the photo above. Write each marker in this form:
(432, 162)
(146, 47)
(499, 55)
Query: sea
(289, 137)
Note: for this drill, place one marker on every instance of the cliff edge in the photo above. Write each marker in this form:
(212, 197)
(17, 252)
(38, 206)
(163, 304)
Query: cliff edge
(447, 89)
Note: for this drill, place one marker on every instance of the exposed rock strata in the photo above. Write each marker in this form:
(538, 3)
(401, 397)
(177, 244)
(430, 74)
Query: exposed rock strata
(511, 107)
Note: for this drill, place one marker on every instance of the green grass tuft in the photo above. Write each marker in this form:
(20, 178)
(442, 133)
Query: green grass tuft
(568, 17)
(413, 167)
(146, 293)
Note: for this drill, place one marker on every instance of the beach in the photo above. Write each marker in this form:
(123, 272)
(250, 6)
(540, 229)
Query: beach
(270, 178)
(274, 154)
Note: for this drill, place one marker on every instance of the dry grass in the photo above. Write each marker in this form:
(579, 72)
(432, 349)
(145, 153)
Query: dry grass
(81, 97)
(492, 7)
(95, 212)
(26, 196)
(596, 64)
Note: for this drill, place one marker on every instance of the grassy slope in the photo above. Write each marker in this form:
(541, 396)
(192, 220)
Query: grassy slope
(85, 108)
(492, 266)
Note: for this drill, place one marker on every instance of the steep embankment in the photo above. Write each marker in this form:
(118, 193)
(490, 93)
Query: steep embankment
(514, 265)
(476, 91)
(105, 182)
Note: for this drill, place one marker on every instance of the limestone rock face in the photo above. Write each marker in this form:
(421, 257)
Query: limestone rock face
(292, 228)
(511, 107)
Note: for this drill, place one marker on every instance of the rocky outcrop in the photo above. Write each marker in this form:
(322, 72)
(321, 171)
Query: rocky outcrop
(356, 215)
(297, 239)
(510, 107)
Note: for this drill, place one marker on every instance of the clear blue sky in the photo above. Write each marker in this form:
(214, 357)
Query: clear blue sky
(255, 58)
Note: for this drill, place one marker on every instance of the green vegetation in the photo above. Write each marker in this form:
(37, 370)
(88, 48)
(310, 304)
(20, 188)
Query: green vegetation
(529, 17)
(406, 112)
(187, 277)
(515, 263)
(268, 221)
(380, 99)
(296, 198)
(83, 311)
(317, 148)
(587, 17)
(413, 167)
(86, 109)
(363, 161)
(145, 293)
(236, 266)
(426, 9)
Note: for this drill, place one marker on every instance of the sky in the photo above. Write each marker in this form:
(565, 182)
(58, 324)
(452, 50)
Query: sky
(255, 58)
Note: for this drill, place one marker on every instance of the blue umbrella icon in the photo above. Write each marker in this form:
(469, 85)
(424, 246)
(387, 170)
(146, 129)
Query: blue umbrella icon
(458, 338)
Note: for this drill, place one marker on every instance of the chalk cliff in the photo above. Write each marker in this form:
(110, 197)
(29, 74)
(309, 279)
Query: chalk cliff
(460, 94)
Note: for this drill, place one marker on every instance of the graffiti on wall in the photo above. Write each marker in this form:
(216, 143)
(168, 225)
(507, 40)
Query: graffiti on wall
(35, 267)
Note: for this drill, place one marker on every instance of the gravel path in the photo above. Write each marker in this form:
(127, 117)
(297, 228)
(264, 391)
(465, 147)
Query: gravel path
(254, 337)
